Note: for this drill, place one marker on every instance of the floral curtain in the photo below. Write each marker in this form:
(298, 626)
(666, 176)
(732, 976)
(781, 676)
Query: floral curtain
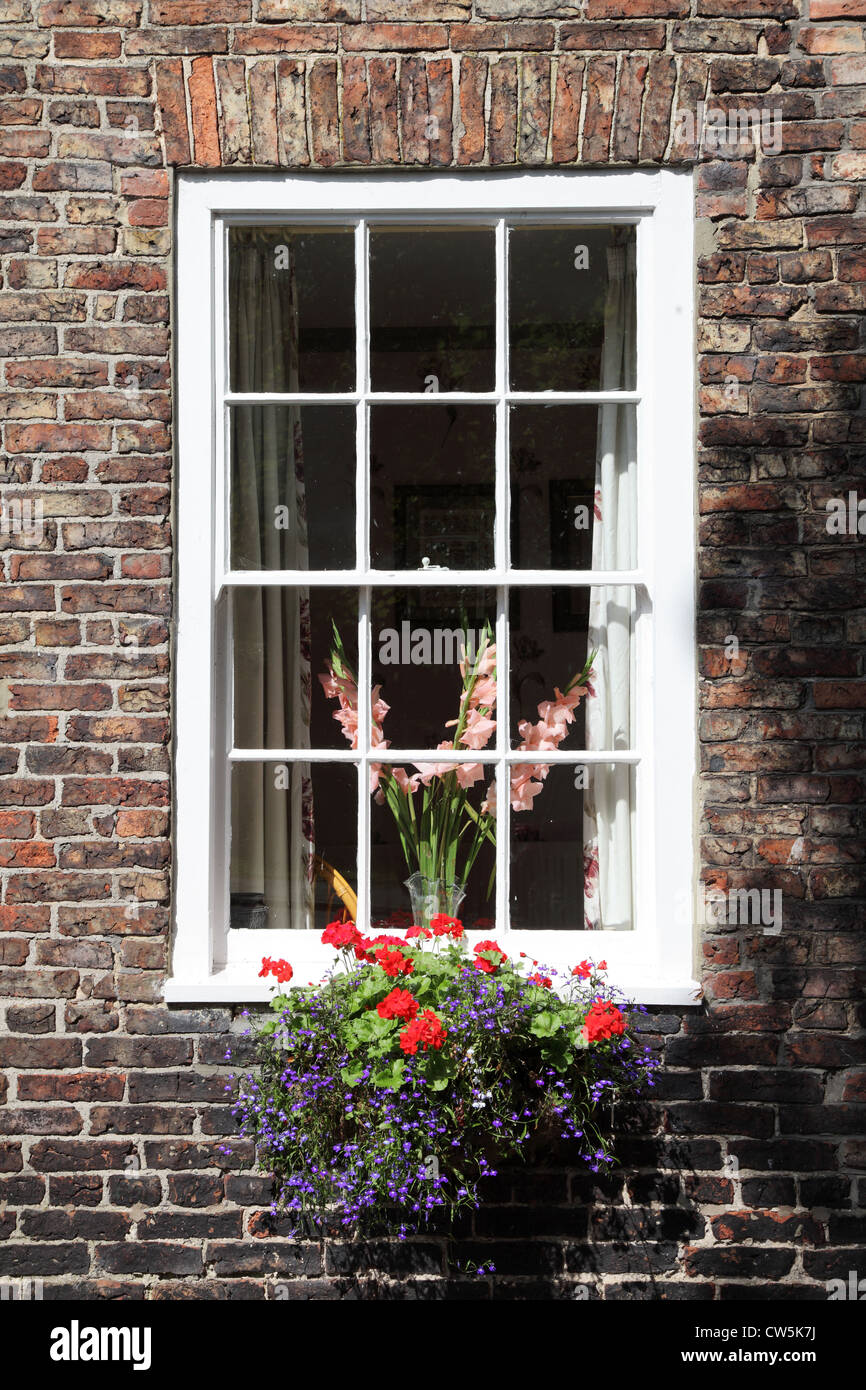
(607, 819)
(272, 806)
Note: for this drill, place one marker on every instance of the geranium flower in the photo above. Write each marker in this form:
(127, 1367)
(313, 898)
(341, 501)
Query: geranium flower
(280, 969)
(543, 981)
(426, 1032)
(398, 1004)
(583, 970)
(446, 926)
(481, 960)
(604, 1020)
(394, 962)
(340, 935)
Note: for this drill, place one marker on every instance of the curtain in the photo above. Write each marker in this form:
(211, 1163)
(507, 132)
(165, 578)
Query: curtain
(608, 867)
(272, 806)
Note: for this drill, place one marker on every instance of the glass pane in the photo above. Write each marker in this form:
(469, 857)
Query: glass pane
(571, 316)
(573, 486)
(418, 641)
(552, 634)
(456, 853)
(292, 308)
(294, 845)
(432, 309)
(571, 847)
(447, 522)
(292, 487)
(283, 642)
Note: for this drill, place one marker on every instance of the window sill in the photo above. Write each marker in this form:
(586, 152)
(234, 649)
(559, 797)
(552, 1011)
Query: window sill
(243, 986)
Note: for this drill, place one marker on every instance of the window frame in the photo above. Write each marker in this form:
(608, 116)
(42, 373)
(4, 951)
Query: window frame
(654, 962)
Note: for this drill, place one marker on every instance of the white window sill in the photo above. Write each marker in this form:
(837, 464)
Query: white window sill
(243, 986)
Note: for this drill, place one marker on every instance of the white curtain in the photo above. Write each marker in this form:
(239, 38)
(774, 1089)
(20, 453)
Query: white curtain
(607, 820)
(272, 806)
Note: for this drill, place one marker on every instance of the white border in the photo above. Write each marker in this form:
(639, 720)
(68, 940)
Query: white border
(654, 963)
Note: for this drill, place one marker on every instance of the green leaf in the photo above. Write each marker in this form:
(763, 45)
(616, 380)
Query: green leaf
(370, 1027)
(352, 1075)
(389, 1078)
(545, 1024)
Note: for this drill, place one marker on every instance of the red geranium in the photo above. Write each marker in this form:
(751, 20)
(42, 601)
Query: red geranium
(280, 969)
(446, 926)
(398, 1004)
(544, 981)
(603, 1021)
(481, 961)
(394, 962)
(340, 935)
(426, 1031)
(418, 931)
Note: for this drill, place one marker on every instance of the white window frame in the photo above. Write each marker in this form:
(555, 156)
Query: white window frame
(654, 962)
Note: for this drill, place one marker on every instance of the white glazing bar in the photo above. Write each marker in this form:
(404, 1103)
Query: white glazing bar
(433, 398)
(239, 579)
(503, 560)
(430, 755)
(362, 534)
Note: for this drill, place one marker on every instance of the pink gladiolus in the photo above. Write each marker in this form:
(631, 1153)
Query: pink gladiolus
(406, 783)
(484, 692)
(478, 730)
(468, 774)
(488, 805)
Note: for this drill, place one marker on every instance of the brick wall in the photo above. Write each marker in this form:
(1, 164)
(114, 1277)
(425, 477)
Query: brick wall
(742, 1180)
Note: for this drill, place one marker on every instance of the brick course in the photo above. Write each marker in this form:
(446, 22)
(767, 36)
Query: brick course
(746, 1177)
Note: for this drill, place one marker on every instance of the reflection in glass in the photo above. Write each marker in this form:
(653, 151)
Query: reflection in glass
(432, 472)
(292, 309)
(294, 848)
(282, 643)
(418, 638)
(573, 481)
(571, 847)
(566, 286)
(292, 487)
(552, 633)
(432, 309)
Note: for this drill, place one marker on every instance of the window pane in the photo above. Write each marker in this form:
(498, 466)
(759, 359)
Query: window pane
(448, 521)
(432, 309)
(552, 634)
(571, 308)
(292, 308)
(292, 487)
(294, 849)
(418, 638)
(457, 876)
(573, 486)
(571, 847)
(283, 641)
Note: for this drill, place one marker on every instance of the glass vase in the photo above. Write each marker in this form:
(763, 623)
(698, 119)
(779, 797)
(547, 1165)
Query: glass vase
(430, 896)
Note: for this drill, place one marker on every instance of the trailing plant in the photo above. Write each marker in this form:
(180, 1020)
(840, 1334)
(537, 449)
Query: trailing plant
(389, 1092)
